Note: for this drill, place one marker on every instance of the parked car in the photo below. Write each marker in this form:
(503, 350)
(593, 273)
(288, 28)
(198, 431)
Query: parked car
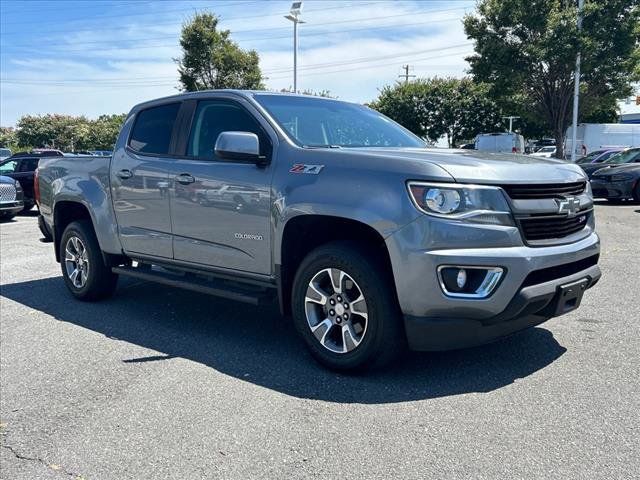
(544, 152)
(370, 240)
(4, 153)
(598, 136)
(625, 156)
(21, 166)
(11, 197)
(500, 142)
(618, 183)
(598, 156)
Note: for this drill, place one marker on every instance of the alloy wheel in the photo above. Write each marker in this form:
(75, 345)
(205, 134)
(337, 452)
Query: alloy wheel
(76, 262)
(336, 310)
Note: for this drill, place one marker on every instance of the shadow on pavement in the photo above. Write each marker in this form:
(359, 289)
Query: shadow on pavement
(257, 345)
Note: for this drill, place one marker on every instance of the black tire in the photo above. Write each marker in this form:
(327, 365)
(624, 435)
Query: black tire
(46, 234)
(383, 338)
(100, 281)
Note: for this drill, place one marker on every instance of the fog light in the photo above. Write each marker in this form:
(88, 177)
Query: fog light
(461, 278)
(469, 281)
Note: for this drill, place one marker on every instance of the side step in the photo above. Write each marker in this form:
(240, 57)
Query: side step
(255, 295)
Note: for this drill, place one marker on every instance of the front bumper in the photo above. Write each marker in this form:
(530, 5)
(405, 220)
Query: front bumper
(524, 297)
(531, 306)
(11, 207)
(621, 190)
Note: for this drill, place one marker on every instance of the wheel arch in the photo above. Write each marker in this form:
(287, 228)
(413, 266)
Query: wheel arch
(303, 233)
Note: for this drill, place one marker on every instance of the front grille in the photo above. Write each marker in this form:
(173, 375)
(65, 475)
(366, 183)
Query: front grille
(547, 228)
(546, 190)
(7, 192)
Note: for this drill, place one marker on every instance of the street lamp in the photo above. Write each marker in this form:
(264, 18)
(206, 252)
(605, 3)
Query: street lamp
(294, 13)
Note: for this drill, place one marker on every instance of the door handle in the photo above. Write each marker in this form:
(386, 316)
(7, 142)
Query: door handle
(124, 174)
(185, 178)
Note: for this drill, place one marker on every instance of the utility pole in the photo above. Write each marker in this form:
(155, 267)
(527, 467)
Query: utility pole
(406, 74)
(576, 90)
(294, 14)
(511, 118)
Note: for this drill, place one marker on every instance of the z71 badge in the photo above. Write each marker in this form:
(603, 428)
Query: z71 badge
(302, 168)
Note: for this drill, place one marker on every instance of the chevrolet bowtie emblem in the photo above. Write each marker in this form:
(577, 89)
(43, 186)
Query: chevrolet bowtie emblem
(568, 205)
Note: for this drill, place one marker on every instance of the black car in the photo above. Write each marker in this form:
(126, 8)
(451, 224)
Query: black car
(617, 183)
(11, 198)
(22, 167)
(629, 155)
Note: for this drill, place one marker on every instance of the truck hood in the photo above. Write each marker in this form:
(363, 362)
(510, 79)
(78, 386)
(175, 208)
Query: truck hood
(471, 166)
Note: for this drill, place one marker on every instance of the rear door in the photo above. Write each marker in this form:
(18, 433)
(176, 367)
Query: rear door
(24, 172)
(220, 208)
(140, 183)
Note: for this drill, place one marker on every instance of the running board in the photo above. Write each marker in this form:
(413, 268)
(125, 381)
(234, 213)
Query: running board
(220, 288)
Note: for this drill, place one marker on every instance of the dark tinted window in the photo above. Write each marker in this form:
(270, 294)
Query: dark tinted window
(27, 165)
(216, 116)
(152, 130)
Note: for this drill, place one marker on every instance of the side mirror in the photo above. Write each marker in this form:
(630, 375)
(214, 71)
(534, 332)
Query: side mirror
(243, 146)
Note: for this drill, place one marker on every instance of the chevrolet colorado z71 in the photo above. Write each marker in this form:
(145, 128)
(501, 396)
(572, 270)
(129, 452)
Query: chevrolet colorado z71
(369, 240)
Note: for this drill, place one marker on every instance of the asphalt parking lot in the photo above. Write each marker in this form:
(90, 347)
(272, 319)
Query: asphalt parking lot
(162, 383)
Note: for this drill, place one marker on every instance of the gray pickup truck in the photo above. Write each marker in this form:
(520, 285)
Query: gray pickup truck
(370, 241)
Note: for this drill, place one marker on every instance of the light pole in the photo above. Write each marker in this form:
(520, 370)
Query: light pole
(294, 14)
(576, 91)
(511, 118)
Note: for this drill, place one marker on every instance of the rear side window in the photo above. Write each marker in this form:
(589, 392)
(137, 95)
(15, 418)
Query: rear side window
(152, 131)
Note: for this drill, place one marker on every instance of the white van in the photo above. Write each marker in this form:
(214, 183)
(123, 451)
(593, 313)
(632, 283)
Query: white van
(600, 136)
(500, 142)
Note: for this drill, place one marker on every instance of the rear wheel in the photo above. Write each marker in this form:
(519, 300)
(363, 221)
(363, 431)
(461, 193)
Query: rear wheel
(83, 269)
(345, 308)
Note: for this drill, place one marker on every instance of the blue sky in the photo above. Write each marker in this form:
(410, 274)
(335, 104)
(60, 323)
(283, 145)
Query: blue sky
(94, 57)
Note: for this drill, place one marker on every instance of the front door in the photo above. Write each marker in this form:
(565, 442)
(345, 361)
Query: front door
(140, 182)
(220, 208)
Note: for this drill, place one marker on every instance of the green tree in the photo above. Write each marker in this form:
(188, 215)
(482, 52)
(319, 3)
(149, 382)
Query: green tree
(210, 59)
(104, 131)
(67, 132)
(526, 51)
(8, 138)
(431, 108)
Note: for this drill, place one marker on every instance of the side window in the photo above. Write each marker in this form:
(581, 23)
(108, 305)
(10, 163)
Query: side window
(27, 165)
(152, 131)
(213, 117)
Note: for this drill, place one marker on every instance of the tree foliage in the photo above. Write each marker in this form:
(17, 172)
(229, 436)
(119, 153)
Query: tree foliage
(67, 132)
(526, 51)
(210, 59)
(431, 108)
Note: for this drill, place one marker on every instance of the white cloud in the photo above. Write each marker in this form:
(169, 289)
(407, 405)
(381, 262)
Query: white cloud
(118, 74)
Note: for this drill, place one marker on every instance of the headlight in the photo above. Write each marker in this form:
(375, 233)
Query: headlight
(17, 185)
(469, 203)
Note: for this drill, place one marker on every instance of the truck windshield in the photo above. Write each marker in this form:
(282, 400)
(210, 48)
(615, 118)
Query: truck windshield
(325, 123)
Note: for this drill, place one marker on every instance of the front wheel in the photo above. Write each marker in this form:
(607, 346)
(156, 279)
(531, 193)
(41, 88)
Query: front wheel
(83, 269)
(636, 192)
(345, 308)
